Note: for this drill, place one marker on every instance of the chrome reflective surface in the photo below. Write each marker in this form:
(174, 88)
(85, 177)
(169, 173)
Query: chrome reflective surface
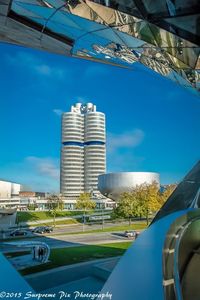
(186, 195)
(112, 185)
(162, 35)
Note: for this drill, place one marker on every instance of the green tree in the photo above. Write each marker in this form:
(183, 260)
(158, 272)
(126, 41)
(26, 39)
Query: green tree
(128, 206)
(54, 204)
(32, 206)
(84, 202)
(167, 193)
(148, 197)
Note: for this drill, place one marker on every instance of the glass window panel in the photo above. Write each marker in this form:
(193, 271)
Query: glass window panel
(85, 24)
(187, 23)
(185, 6)
(198, 64)
(155, 6)
(127, 6)
(130, 41)
(18, 9)
(35, 2)
(103, 49)
(66, 19)
(41, 11)
(110, 35)
(39, 21)
(145, 32)
(55, 3)
(66, 31)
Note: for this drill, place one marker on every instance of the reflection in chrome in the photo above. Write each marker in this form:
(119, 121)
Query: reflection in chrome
(118, 52)
(169, 249)
(162, 35)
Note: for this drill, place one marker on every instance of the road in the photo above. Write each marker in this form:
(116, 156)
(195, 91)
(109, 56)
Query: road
(62, 241)
(79, 227)
(64, 229)
(82, 239)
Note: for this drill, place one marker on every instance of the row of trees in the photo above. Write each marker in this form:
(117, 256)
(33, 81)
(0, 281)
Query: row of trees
(84, 203)
(143, 200)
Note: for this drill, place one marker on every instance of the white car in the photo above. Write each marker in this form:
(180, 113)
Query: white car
(131, 233)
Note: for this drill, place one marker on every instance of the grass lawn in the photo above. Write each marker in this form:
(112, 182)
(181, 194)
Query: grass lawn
(135, 226)
(60, 222)
(29, 216)
(72, 255)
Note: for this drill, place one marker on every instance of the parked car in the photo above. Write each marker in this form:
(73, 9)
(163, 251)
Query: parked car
(131, 233)
(18, 232)
(43, 229)
(48, 229)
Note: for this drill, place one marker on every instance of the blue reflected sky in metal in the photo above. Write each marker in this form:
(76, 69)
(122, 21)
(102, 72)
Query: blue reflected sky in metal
(10, 279)
(111, 42)
(139, 273)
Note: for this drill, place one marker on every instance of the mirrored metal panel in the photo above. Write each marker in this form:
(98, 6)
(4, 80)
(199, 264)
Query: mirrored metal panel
(162, 35)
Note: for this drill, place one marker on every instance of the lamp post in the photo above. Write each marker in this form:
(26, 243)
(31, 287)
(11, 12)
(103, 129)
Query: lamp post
(102, 215)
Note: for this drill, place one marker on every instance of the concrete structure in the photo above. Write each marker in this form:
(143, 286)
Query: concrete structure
(12, 196)
(7, 218)
(9, 189)
(112, 185)
(83, 153)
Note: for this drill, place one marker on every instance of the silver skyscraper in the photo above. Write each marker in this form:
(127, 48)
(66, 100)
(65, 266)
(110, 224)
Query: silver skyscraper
(83, 153)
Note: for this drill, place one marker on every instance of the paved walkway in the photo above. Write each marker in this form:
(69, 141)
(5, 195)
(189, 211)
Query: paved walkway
(24, 261)
(54, 278)
(78, 289)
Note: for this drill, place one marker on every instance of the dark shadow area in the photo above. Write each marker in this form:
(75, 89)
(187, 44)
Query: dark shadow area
(186, 195)
(119, 234)
(72, 258)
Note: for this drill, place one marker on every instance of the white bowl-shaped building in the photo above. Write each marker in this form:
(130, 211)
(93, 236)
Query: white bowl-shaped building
(112, 185)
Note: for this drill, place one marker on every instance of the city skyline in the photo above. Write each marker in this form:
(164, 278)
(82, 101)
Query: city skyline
(148, 129)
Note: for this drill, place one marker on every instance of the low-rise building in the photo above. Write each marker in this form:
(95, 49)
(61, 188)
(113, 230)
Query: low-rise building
(9, 189)
(29, 194)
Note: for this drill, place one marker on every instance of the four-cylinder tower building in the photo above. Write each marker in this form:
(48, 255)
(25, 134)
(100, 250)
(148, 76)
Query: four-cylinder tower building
(83, 152)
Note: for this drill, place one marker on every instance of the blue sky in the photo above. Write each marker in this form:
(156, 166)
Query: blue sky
(152, 124)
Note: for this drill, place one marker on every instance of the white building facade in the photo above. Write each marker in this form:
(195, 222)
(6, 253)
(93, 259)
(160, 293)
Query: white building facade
(9, 189)
(83, 153)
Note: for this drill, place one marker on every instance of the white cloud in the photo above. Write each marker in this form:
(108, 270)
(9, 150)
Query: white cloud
(35, 65)
(44, 166)
(58, 111)
(47, 70)
(130, 139)
(120, 151)
(38, 173)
